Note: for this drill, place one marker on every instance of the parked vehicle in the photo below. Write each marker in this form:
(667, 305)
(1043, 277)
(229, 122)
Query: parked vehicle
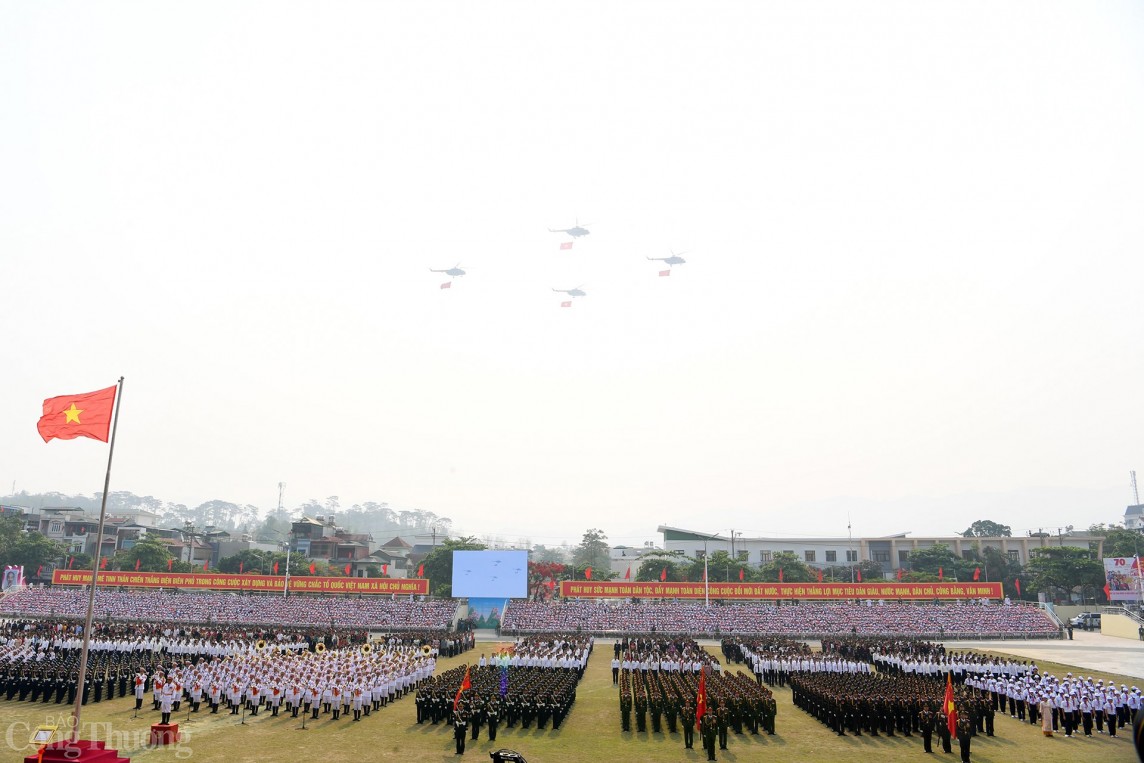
(1090, 621)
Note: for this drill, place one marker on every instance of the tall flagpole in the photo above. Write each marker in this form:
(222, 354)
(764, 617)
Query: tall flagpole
(95, 570)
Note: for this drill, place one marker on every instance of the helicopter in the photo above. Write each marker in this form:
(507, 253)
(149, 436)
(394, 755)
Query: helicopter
(577, 292)
(453, 271)
(575, 231)
(674, 259)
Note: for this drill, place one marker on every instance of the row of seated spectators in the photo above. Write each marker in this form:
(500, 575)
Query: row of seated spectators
(229, 608)
(952, 619)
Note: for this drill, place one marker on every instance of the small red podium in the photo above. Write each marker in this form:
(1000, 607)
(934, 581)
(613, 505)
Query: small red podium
(80, 751)
(164, 733)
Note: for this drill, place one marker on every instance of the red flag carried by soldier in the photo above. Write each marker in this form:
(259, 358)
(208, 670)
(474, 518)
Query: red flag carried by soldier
(465, 684)
(740, 574)
(587, 573)
(347, 569)
(976, 574)
(240, 566)
(170, 562)
(663, 575)
(820, 576)
(949, 708)
(858, 570)
(276, 568)
(628, 574)
(140, 561)
(941, 573)
(421, 570)
(313, 568)
(780, 574)
(701, 697)
(1017, 583)
(899, 574)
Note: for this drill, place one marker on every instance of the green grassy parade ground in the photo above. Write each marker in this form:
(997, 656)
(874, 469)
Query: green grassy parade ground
(591, 732)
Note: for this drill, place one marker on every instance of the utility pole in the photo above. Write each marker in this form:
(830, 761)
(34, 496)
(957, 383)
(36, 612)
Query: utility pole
(850, 533)
(281, 489)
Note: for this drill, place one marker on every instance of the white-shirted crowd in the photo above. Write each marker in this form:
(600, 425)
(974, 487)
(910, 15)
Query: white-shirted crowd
(267, 609)
(965, 619)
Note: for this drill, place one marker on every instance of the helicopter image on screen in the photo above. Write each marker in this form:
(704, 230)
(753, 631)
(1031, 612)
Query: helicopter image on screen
(674, 259)
(452, 272)
(575, 232)
(577, 292)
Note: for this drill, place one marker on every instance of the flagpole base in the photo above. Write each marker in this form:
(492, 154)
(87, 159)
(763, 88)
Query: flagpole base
(79, 751)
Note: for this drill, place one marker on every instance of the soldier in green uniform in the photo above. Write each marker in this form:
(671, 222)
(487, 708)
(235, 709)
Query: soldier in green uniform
(926, 721)
(708, 730)
(688, 719)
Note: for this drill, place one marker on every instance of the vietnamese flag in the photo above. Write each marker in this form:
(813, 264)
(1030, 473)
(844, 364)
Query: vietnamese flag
(1017, 583)
(84, 415)
(740, 574)
(313, 568)
(587, 573)
(465, 684)
(701, 697)
(70, 560)
(949, 708)
(859, 571)
(205, 564)
(385, 569)
(170, 562)
(566, 245)
(103, 562)
(820, 576)
(566, 304)
(276, 568)
(39, 570)
(240, 566)
(628, 574)
(447, 285)
(663, 575)
(421, 570)
(664, 273)
(780, 574)
(940, 573)
(140, 561)
(347, 569)
(899, 574)
(976, 574)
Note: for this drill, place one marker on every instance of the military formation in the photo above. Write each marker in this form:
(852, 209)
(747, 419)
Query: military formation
(659, 683)
(531, 683)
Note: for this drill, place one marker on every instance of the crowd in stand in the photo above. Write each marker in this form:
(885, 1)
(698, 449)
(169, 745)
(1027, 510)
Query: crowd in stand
(964, 619)
(225, 608)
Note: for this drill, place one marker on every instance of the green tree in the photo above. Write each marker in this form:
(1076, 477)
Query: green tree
(33, 550)
(252, 562)
(652, 566)
(984, 528)
(149, 551)
(1121, 542)
(939, 557)
(593, 552)
(794, 569)
(1060, 570)
(871, 571)
(439, 563)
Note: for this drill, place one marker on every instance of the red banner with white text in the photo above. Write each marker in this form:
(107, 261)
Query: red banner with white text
(267, 583)
(744, 591)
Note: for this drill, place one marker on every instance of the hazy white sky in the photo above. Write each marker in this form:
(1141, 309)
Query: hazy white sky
(912, 291)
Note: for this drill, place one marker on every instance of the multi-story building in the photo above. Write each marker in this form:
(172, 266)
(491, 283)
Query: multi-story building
(891, 551)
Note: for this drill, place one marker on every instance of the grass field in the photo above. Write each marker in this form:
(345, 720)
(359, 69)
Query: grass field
(590, 733)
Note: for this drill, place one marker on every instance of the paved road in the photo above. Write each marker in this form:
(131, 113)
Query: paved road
(1091, 651)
